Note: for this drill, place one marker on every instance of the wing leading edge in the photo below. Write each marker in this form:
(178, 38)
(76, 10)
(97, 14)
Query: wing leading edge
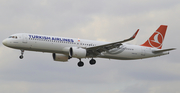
(96, 50)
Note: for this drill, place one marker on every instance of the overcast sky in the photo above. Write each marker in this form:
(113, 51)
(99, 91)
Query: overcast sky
(103, 20)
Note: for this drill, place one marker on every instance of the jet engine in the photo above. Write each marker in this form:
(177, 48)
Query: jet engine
(60, 57)
(77, 52)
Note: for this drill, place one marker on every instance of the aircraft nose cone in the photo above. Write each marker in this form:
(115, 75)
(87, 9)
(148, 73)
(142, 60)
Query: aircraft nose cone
(4, 42)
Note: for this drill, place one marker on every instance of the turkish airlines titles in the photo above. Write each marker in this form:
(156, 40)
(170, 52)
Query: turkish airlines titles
(50, 38)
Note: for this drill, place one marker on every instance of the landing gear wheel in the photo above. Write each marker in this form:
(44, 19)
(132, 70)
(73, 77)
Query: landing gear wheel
(92, 61)
(21, 56)
(80, 64)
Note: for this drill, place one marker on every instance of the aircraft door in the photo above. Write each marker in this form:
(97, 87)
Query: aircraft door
(24, 38)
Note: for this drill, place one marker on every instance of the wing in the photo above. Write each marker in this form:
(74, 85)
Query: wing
(96, 50)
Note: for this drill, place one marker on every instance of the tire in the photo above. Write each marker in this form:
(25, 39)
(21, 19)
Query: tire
(80, 64)
(21, 57)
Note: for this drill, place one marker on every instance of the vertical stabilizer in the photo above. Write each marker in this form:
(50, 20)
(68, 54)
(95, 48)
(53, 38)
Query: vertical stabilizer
(156, 39)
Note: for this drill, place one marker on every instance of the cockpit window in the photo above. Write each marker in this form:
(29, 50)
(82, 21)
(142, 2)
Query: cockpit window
(13, 37)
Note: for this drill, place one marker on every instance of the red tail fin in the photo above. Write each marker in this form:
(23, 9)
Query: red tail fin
(156, 38)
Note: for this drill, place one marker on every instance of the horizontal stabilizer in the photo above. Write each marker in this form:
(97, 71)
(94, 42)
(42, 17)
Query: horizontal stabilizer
(163, 50)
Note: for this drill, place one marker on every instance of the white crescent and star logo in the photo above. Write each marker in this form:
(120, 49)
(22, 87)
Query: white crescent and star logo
(156, 40)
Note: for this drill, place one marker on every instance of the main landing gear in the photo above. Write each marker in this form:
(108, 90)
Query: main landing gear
(92, 61)
(81, 64)
(21, 56)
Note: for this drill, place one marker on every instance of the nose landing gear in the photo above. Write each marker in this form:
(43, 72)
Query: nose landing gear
(21, 56)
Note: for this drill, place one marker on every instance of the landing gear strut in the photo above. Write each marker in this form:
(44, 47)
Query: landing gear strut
(80, 63)
(21, 56)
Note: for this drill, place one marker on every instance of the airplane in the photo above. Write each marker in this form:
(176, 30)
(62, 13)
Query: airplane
(64, 48)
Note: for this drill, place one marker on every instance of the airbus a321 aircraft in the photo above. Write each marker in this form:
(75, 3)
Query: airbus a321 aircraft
(63, 48)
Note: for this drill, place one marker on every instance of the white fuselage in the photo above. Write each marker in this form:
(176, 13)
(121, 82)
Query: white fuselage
(54, 44)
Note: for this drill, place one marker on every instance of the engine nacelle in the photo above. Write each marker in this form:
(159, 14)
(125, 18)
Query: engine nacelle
(60, 57)
(77, 52)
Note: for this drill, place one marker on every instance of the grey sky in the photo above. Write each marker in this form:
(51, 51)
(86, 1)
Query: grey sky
(103, 20)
